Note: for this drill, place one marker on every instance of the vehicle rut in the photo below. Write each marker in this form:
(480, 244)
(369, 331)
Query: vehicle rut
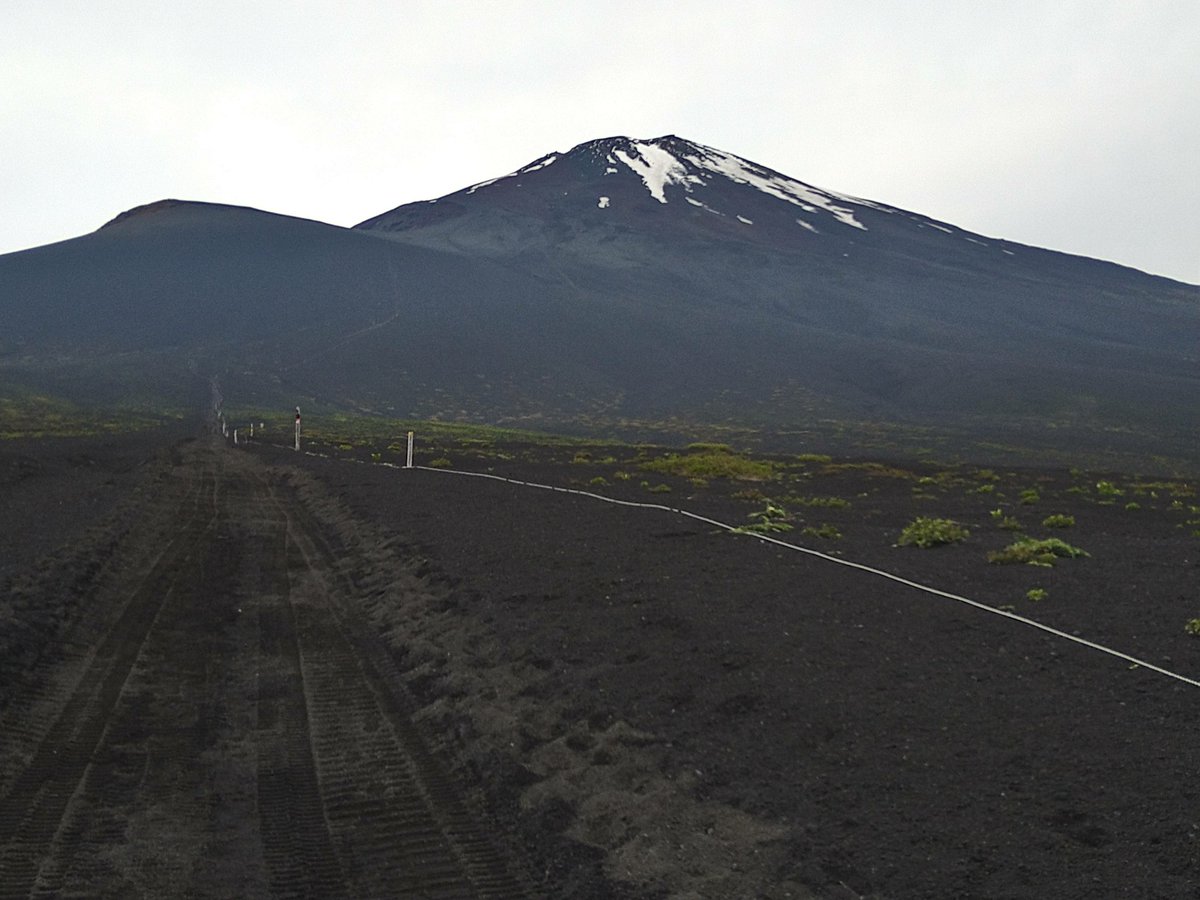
(34, 809)
(239, 730)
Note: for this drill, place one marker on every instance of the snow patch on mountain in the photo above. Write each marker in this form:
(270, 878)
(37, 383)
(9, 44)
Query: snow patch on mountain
(658, 167)
(805, 196)
(695, 202)
(538, 165)
(532, 167)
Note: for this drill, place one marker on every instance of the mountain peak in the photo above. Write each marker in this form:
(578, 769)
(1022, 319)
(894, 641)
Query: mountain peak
(672, 161)
(144, 210)
(667, 171)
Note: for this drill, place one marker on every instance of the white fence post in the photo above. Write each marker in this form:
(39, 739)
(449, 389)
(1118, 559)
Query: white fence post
(297, 428)
(408, 464)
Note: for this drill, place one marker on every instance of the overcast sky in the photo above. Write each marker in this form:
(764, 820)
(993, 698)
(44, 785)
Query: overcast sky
(1069, 125)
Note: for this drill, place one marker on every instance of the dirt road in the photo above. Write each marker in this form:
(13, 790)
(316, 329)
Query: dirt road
(204, 710)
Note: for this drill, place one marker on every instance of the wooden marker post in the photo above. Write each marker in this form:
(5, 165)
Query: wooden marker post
(408, 464)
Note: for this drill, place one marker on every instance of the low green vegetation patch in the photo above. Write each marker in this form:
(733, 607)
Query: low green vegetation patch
(1035, 552)
(1174, 488)
(30, 415)
(1005, 521)
(928, 532)
(825, 531)
(805, 458)
(873, 469)
(1058, 520)
(712, 463)
(820, 502)
(333, 428)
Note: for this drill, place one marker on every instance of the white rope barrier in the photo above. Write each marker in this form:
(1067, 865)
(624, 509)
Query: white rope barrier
(1084, 642)
(841, 562)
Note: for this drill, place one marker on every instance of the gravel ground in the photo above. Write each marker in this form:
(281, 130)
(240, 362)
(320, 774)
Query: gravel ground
(649, 706)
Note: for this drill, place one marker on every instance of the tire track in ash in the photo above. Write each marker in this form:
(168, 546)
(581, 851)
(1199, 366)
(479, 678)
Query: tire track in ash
(397, 821)
(35, 812)
(297, 845)
(167, 807)
(227, 730)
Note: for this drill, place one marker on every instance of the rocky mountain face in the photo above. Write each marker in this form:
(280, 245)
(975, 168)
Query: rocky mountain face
(629, 280)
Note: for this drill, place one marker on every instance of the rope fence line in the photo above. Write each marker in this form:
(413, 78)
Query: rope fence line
(937, 592)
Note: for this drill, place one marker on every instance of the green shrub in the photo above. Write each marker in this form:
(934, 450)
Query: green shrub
(1044, 552)
(1193, 627)
(1058, 520)
(1030, 496)
(926, 532)
(771, 518)
(1108, 489)
(440, 463)
(1036, 594)
(1133, 505)
(599, 481)
(660, 489)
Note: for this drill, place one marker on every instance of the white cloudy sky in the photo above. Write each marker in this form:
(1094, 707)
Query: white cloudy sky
(1065, 124)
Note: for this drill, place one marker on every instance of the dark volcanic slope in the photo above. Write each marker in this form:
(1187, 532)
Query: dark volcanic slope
(623, 280)
(768, 285)
(282, 304)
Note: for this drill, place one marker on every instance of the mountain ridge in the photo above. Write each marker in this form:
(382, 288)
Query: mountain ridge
(627, 280)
